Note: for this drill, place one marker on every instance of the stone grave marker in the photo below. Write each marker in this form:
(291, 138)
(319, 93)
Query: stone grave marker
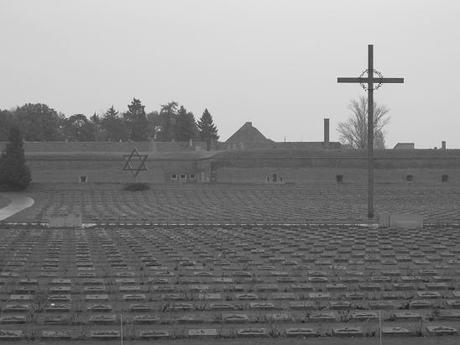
(103, 319)
(235, 318)
(146, 319)
(155, 334)
(252, 332)
(55, 335)
(99, 308)
(57, 308)
(16, 308)
(11, 334)
(441, 330)
(105, 334)
(202, 332)
(396, 331)
(347, 331)
(57, 320)
(322, 316)
(301, 332)
(12, 319)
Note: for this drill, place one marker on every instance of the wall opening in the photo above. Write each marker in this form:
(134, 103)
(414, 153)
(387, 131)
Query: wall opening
(339, 178)
(409, 178)
(445, 178)
(83, 179)
(173, 177)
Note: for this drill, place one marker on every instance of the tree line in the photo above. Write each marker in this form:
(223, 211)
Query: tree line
(39, 122)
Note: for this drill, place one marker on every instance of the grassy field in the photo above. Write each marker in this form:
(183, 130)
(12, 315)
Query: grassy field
(225, 203)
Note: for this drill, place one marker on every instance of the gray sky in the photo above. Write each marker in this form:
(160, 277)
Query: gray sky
(274, 63)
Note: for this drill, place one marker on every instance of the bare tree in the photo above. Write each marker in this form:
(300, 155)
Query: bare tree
(353, 132)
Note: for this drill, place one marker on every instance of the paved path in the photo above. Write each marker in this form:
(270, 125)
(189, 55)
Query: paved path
(18, 203)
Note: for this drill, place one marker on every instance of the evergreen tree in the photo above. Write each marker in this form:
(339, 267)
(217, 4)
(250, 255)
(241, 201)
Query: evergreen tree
(136, 120)
(7, 121)
(14, 173)
(207, 129)
(114, 127)
(186, 128)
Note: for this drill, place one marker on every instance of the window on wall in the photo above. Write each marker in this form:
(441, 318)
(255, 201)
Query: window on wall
(83, 179)
(409, 178)
(192, 176)
(173, 177)
(339, 178)
(445, 178)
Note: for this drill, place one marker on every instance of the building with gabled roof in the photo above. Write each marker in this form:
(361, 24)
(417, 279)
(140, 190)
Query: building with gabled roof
(247, 135)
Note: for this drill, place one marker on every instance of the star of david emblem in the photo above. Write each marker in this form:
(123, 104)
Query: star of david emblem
(135, 162)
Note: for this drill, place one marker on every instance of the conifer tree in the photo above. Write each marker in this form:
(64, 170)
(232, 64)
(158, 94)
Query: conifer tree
(14, 173)
(207, 128)
(185, 125)
(137, 122)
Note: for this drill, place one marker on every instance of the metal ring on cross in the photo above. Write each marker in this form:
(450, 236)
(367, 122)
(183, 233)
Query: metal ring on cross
(366, 74)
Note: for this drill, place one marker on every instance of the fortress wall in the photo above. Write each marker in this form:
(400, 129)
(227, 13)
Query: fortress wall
(108, 170)
(426, 166)
(295, 166)
(387, 159)
(327, 175)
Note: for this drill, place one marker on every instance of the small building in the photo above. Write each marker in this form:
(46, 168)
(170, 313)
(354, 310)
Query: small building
(404, 146)
(246, 137)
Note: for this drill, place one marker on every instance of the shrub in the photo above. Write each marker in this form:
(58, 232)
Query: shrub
(136, 187)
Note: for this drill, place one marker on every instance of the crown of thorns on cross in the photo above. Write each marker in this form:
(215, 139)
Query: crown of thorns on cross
(135, 162)
(379, 78)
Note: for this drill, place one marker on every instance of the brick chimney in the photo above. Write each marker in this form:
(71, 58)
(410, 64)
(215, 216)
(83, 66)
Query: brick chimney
(326, 132)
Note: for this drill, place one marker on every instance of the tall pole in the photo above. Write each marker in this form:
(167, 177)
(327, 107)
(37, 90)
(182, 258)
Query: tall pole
(370, 132)
(121, 328)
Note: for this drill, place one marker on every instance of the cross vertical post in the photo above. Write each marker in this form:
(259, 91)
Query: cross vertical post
(368, 84)
(370, 131)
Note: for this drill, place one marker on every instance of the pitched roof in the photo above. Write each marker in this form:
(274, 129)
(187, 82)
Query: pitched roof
(248, 134)
(404, 146)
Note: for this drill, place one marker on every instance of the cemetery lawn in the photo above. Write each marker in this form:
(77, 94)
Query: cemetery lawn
(445, 340)
(238, 203)
(231, 283)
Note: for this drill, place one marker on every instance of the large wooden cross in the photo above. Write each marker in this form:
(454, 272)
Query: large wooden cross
(370, 80)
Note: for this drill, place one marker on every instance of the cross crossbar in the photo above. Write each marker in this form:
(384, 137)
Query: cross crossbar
(373, 80)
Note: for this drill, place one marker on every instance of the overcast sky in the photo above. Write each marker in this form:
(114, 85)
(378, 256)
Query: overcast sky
(274, 63)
